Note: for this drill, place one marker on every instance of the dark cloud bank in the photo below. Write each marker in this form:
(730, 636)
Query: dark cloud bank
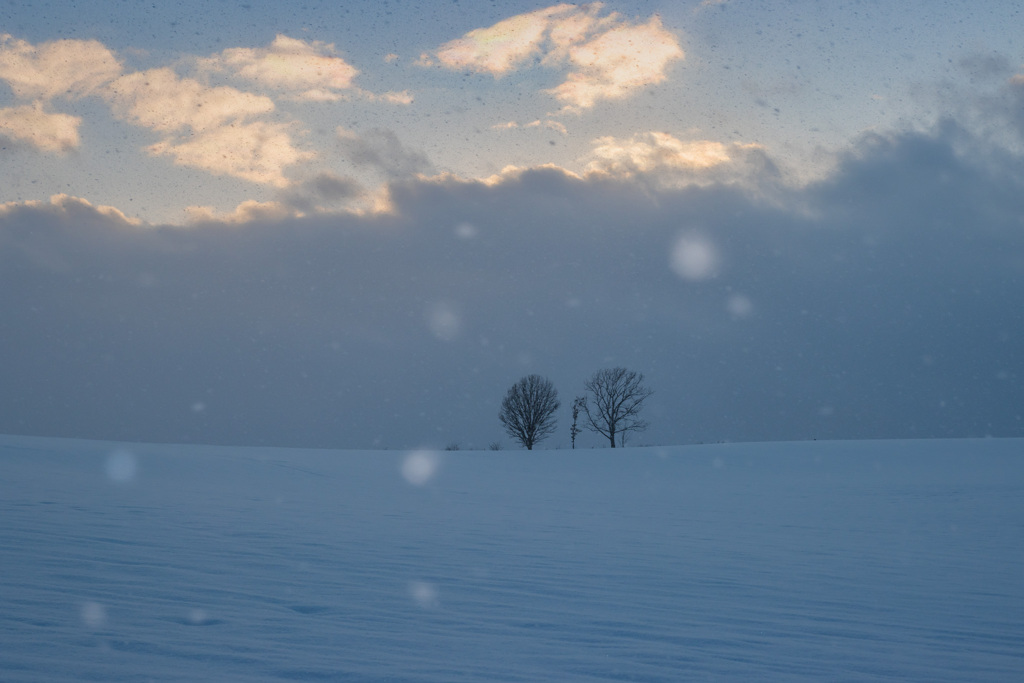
(882, 302)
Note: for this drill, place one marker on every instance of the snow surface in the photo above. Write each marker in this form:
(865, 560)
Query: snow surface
(887, 560)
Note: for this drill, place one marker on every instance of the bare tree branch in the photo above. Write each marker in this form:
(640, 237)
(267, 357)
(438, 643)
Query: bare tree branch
(613, 408)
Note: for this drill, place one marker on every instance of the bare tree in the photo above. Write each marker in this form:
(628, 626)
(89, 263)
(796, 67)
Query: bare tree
(528, 410)
(574, 430)
(613, 407)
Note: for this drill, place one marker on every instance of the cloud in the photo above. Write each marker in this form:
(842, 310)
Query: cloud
(549, 124)
(617, 63)
(646, 152)
(329, 187)
(608, 57)
(300, 70)
(504, 46)
(257, 151)
(380, 149)
(62, 68)
(992, 106)
(46, 131)
(888, 291)
(68, 207)
(214, 133)
(669, 161)
(986, 65)
(1010, 106)
(556, 126)
(403, 97)
(204, 127)
(323, 192)
(161, 100)
(248, 211)
(304, 70)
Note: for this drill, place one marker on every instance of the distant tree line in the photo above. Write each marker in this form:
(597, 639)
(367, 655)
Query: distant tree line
(610, 407)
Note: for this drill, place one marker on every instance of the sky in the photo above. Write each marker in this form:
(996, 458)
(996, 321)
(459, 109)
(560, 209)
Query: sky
(356, 225)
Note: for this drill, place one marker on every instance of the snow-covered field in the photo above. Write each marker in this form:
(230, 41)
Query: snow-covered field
(889, 560)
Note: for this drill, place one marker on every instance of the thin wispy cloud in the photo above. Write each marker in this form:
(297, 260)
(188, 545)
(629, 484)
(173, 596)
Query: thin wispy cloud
(402, 97)
(324, 192)
(381, 150)
(548, 124)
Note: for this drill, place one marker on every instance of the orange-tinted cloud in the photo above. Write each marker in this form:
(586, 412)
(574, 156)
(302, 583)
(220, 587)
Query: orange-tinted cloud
(305, 70)
(667, 161)
(608, 57)
(208, 128)
(654, 151)
(71, 68)
(46, 131)
(257, 151)
(618, 62)
(161, 100)
(502, 47)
